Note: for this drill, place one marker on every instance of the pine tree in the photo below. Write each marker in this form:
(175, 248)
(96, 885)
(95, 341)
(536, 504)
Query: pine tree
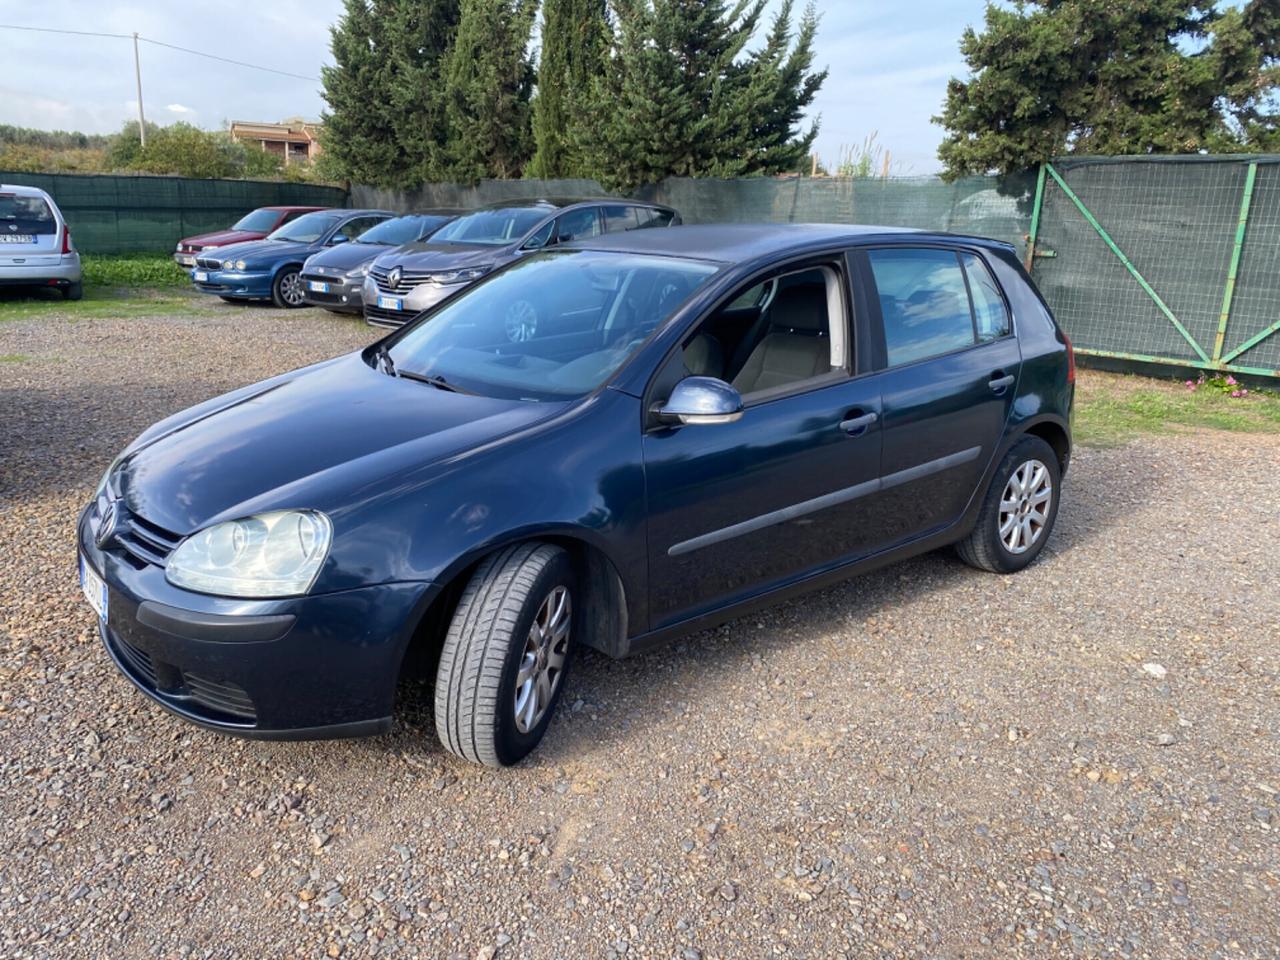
(385, 124)
(1050, 77)
(682, 96)
(488, 83)
(574, 34)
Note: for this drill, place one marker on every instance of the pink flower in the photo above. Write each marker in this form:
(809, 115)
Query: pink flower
(1190, 384)
(1231, 381)
(1235, 393)
(1244, 393)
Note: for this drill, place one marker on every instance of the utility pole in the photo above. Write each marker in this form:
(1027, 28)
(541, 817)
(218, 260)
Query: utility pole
(137, 75)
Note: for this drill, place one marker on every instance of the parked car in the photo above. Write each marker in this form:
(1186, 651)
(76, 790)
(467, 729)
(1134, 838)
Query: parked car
(334, 278)
(35, 243)
(756, 410)
(252, 226)
(408, 281)
(271, 269)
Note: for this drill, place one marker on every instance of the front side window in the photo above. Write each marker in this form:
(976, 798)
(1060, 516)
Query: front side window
(493, 228)
(774, 335)
(924, 303)
(552, 326)
(354, 228)
(307, 229)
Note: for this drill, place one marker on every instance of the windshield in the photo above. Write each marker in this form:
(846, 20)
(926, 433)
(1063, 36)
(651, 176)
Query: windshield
(307, 229)
(400, 230)
(260, 221)
(27, 214)
(551, 326)
(492, 227)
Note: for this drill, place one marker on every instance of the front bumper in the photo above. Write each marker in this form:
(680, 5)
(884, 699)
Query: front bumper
(343, 293)
(246, 285)
(185, 260)
(43, 270)
(419, 298)
(312, 667)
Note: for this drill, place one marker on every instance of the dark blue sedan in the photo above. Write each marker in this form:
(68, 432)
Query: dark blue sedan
(705, 420)
(271, 269)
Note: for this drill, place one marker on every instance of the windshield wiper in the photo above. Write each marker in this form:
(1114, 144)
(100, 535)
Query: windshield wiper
(440, 383)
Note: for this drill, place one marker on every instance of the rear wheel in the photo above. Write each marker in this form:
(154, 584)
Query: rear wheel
(1019, 511)
(73, 291)
(286, 290)
(506, 654)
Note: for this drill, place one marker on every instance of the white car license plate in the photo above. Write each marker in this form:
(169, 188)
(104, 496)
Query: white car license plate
(200, 276)
(186, 261)
(317, 287)
(17, 238)
(390, 303)
(95, 591)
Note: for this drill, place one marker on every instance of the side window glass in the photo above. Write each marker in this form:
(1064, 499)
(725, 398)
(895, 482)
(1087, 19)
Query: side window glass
(653, 217)
(578, 225)
(989, 312)
(619, 218)
(542, 237)
(290, 217)
(353, 228)
(923, 301)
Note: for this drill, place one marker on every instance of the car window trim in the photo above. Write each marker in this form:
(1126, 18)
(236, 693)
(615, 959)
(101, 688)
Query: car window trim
(878, 328)
(995, 281)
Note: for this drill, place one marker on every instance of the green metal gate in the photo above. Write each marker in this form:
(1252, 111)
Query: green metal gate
(1169, 260)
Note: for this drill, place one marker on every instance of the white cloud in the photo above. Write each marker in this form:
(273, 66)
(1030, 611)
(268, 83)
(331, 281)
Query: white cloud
(178, 108)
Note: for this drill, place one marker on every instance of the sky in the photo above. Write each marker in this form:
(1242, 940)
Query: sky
(889, 65)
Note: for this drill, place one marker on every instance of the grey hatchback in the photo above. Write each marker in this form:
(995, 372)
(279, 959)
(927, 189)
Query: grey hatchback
(402, 283)
(35, 244)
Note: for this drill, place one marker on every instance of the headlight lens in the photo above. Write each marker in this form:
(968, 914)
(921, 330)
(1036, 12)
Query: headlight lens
(274, 554)
(227, 264)
(239, 264)
(465, 275)
(358, 272)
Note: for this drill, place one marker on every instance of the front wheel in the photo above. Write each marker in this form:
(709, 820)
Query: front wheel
(506, 654)
(286, 290)
(1018, 513)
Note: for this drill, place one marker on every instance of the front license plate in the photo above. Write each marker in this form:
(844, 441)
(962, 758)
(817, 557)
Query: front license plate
(95, 591)
(200, 276)
(17, 238)
(390, 303)
(317, 287)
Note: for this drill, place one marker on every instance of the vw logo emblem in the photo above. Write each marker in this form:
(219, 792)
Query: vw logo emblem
(109, 524)
(394, 276)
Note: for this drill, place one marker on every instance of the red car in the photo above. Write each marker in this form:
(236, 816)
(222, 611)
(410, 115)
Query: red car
(252, 226)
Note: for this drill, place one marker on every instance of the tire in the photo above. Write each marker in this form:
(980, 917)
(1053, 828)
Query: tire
(286, 289)
(500, 614)
(985, 547)
(73, 291)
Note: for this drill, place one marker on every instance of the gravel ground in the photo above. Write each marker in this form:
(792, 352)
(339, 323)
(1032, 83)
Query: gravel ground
(925, 762)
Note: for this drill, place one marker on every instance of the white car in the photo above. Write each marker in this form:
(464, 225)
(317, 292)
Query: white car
(35, 244)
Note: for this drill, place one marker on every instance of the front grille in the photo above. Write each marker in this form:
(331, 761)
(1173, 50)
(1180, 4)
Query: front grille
(145, 541)
(223, 697)
(209, 263)
(386, 318)
(336, 289)
(409, 279)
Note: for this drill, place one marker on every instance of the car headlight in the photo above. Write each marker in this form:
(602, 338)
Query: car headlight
(227, 264)
(274, 554)
(358, 272)
(240, 265)
(465, 275)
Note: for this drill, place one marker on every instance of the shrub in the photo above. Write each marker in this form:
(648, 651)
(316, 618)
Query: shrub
(132, 270)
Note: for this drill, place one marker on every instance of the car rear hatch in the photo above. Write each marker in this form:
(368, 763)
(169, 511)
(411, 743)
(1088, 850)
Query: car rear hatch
(29, 232)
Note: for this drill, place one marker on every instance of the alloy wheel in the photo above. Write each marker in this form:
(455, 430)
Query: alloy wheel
(291, 289)
(1024, 506)
(542, 664)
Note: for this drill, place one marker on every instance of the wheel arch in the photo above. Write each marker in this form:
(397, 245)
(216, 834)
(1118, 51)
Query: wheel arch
(1053, 432)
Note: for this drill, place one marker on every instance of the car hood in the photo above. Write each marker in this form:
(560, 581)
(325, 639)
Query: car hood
(328, 437)
(345, 256)
(271, 251)
(220, 238)
(444, 256)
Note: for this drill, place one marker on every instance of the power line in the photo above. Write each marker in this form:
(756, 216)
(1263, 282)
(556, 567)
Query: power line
(160, 43)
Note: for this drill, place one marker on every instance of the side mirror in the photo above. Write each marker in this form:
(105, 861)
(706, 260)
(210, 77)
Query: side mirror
(699, 401)
(338, 238)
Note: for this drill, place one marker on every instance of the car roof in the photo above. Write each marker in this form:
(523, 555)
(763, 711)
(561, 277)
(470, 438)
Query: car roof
(557, 203)
(739, 242)
(22, 190)
(278, 207)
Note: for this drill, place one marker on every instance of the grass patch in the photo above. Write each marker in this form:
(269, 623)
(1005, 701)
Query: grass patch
(14, 357)
(101, 302)
(133, 270)
(1112, 409)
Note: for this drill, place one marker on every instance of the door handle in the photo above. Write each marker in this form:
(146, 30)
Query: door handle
(1000, 383)
(856, 426)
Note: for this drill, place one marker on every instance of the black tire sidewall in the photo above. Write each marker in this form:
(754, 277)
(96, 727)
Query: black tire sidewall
(510, 744)
(1028, 448)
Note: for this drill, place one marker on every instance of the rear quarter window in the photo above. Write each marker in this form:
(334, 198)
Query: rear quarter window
(26, 215)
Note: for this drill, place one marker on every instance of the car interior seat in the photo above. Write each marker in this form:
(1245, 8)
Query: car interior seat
(797, 343)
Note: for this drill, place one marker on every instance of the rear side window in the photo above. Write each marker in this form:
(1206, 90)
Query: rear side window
(924, 302)
(653, 217)
(26, 215)
(618, 219)
(990, 316)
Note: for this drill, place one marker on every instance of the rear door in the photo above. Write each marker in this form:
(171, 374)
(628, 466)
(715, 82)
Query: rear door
(951, 367)
(29, 231)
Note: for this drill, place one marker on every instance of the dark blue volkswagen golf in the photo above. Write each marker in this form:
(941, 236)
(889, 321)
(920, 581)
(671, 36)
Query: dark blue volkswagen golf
(706, 419)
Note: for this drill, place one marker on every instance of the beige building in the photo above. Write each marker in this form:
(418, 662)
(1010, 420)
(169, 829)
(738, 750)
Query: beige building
(294, 140)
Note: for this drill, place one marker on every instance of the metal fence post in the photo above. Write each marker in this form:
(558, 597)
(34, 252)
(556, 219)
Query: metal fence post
(1035, 219)
(1234, 270)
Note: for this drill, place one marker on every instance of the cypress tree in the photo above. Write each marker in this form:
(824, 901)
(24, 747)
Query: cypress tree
(488, 83)
(574, 34)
